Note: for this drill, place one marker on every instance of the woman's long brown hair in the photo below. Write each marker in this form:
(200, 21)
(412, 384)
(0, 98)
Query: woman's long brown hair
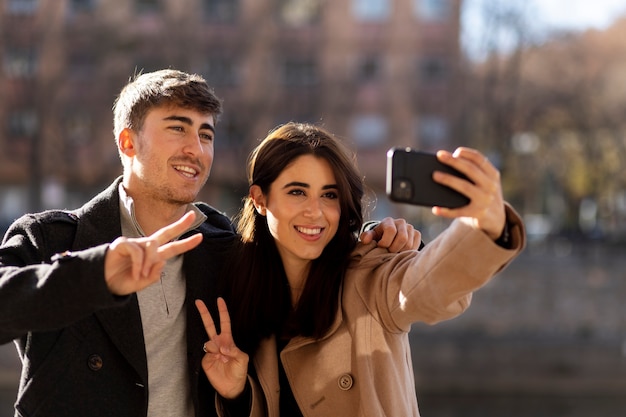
(259, 298)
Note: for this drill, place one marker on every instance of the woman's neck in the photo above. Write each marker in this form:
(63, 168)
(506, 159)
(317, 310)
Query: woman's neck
(297, 273)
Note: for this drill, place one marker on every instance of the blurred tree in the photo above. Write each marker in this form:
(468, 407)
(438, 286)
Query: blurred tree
(551, 114)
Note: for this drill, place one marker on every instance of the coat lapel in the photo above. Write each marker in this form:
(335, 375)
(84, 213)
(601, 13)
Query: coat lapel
(99, 223)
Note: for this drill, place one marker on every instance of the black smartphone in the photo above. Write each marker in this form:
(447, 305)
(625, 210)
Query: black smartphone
(410, 179)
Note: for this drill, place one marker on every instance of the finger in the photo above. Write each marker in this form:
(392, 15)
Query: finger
(177, 247)
(472, 155)
(416, 238)
(386, 232)
(211, 347)
(207, 320)
(378, 232)
(402, 237)
(473, 158)
(225, 329)
(367, 236)
(150, 257)
(154, 274)
(172, 231)
(124, 248)
(459, 184)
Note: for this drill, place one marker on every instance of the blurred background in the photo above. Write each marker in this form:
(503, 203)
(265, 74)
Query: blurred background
(538, 86)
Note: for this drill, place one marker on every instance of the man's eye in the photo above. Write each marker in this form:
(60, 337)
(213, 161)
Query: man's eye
(206, 137)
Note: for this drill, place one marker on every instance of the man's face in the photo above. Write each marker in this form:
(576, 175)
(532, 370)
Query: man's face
(172, 155)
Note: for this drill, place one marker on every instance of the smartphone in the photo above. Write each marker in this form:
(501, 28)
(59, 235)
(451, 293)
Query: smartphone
(410, 179)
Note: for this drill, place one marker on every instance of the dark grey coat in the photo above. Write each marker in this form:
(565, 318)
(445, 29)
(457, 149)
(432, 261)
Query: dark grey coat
(82, 348)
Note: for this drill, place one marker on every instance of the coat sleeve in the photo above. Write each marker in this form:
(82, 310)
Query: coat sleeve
(437, 282)
(41, 290)
(257, 407)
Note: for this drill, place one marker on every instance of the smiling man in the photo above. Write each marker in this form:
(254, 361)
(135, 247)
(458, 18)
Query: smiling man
(98, 299)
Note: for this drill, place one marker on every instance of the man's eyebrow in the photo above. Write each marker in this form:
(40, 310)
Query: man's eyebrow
(188, 121)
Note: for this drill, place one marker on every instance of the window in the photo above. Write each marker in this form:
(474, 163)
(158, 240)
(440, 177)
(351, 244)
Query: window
(22, 7)
(432, 131)
(371, 10)
(221, 71)
(230, 133)
(13, 203)
(433, 10)
(299, 12)
(432, 69)
(78, 127)
(299, 73)
(221, 11)
(82, 63)
(370, 69)
(82, 6)
(369, 130)
(23, 123)
(20, 62)
(147, 6)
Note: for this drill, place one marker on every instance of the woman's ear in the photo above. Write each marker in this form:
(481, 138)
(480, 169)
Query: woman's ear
(258, 199)
(125, 142)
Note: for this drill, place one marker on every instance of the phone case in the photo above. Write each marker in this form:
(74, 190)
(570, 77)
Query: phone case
(409, 179)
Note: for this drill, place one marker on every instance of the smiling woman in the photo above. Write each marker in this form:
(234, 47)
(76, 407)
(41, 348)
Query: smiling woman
(324, 317)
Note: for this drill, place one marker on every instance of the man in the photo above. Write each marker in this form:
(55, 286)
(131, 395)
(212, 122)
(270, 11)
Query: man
(99, 300)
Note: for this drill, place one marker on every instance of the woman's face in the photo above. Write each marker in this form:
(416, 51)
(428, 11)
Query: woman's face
(302, 209)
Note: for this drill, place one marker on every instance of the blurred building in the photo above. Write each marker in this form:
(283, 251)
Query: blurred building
(376, 72)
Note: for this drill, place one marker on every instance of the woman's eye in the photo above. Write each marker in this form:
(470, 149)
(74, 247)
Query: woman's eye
(296, 192)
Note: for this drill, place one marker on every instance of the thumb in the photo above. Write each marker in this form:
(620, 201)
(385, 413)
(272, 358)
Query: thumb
(369, 236)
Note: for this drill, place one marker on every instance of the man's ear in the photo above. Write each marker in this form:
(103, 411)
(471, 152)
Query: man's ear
(126, 142)
(258, 198)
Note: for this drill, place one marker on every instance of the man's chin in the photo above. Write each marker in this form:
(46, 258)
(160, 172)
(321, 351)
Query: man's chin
(181, 199)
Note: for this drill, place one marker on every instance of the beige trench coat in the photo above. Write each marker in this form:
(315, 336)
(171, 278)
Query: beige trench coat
(362, 367)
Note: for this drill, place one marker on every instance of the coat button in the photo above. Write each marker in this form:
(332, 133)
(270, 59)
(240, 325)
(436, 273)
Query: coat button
(345, 382)
(94, 362)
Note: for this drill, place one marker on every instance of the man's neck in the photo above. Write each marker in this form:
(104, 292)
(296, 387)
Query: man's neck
(152, 215)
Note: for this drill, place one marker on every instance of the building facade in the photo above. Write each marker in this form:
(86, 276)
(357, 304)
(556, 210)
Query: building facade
(379, 73)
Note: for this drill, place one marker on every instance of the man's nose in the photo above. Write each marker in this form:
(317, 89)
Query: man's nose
(193, 144)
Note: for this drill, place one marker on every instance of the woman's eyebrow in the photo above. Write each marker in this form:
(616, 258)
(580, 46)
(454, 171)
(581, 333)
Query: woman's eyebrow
(305, 185)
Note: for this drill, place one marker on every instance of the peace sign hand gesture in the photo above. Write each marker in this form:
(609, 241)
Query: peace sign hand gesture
(224, 364)
(132, 264)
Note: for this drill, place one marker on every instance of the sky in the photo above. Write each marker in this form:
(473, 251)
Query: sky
(546, 15)
(581, 14)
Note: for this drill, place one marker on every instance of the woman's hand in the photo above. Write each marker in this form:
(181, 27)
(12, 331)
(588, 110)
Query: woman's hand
(485, 210)
(224, 364)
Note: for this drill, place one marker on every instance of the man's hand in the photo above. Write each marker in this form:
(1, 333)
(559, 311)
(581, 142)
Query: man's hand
(394, 234)
(225, 366)
(131, 265)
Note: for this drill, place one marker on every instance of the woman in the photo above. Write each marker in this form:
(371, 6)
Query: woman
(324, 318)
